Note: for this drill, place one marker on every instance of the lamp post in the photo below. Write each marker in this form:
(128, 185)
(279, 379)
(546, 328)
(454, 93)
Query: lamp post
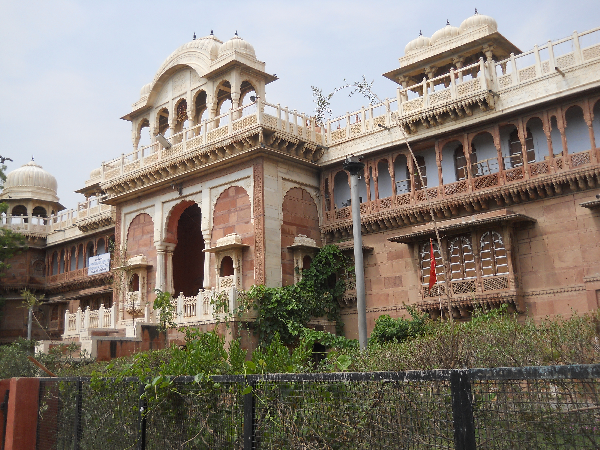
(355, 167)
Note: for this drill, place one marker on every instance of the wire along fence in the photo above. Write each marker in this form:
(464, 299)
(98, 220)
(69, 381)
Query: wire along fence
(505, 408)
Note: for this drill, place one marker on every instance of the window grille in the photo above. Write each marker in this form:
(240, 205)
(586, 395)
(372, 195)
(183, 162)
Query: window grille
(494, 259)
(426, 263)
(462, 262)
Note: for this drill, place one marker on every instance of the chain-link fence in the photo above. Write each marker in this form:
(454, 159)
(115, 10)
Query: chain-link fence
(507, 408)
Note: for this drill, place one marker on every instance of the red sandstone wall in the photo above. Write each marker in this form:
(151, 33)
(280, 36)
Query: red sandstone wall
(557, 261)
(232, 214)
(140, 240)
(300, 216)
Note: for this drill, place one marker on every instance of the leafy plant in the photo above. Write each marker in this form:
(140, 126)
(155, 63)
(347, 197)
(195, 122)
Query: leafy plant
(167, 310)
(388, 329)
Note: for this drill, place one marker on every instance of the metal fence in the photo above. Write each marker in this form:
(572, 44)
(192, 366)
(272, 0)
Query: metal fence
(505, 408)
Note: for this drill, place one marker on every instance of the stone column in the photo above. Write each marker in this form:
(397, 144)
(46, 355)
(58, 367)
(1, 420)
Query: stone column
(459, 61)
(207, 255)
(169, 249)
(548, 132)
(235, 103)
(160, 267)
(438, 161)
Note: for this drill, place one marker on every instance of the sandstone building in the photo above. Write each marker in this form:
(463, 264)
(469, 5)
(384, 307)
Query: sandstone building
(242, 190)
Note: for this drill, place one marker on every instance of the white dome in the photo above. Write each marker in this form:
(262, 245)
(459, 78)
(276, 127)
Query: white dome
(479, 20)
(416, 44)
(31, 181)
(145, 89)
(448, 32)
(239, 45)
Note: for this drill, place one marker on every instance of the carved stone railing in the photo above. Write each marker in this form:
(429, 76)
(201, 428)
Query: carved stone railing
(79, 323)
(67, 276)
(202, 308)
(210, 132)
(555, 168)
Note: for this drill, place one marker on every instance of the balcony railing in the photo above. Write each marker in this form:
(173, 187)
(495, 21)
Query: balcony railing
(81, 322)
(508, 176)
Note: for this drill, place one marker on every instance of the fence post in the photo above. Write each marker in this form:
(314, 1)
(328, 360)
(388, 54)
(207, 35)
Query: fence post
(143, 406)
(249, 424)
(462, 411)
(77, 424)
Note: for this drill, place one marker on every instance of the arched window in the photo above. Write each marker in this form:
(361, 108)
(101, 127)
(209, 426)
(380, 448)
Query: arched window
(39, 211)
(163, 121)
(516, 154)
(494, 259)
(226, 267)
(61, 267)
(100, 248)
(384, 180)
(80, 263)
(89, 253)
(401, 175)
(134, 283)
(19, 210)
(424, 252)
(460, 163)
(54, 264)
(462, 262)
(73, 258)
(306, 262)
(421, 164)
(38, 268)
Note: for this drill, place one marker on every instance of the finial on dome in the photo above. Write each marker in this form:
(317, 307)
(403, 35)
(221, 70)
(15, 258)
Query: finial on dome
(420, 32)
(447, 22)
(476, 11)
(32, 157)
(211, 32)
(236, 32)
(194, 37)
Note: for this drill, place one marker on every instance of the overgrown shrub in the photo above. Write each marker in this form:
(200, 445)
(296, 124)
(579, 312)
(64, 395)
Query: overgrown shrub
(388, 329)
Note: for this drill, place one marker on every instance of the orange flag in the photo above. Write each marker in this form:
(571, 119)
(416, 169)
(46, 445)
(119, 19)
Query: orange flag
(432, 275)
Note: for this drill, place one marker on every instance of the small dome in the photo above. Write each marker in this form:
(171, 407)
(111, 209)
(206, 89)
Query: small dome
(145, 89)
(448, 32)
(479, 20)
(417, 44)
(209, 45)
(31, 181)
(237, 44)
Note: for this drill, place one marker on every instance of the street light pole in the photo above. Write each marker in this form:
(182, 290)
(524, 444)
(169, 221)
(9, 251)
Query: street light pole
(355, 167)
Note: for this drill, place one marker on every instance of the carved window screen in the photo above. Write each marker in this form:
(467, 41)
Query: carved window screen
(424, 257)
(462, 261)
(494, 259)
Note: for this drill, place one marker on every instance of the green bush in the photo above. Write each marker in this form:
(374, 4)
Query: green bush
(388, 329)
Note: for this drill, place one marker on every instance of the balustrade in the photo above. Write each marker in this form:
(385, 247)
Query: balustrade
(81, 322)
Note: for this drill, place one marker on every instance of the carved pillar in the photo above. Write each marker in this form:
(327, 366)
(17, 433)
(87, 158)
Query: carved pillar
(169, 249)
(459, 61)
(235, 103)
(376, 176)
(411, 171)
(522, 137)
(370, 195)
(438, 161)
(548, 132)
(498, 145)
(467, 152)
(588, 116)
(207, 255)
(560, 122)
(161, 281)
(392, 175)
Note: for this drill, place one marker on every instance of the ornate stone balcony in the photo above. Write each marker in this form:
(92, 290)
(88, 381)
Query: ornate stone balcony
(81, 322)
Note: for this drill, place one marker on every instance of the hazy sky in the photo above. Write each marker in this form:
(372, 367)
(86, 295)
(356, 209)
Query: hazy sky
(70, 69)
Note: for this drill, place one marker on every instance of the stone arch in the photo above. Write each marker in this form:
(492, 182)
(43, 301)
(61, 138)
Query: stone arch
(19, 210)
(454, 162)
(232, 213)
(555, 136)
(300, 216)
(341, 189)
(54, 263)
(140, 241)
(172, 220)
(484, 156)
(247, 86)
(162, 120)
(73, 259)
(199, 105)
(384, 179)
(401, 174)
(188, 255)
(222, 94)
(181, 115)
(535, 127)
(39, 211)
(191, 59)
(576, 130)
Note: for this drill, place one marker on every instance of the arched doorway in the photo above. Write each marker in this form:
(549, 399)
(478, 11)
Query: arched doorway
(188, 258)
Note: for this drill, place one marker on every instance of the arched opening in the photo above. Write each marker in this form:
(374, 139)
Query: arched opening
(341, 189)
(484, 156)
(100, 247)
(535, 127)
(576, 130)
(134, 283)
(73, 259)
(39, 211)
(516, 152)
(181, 116)
(144, 135)
(596, 123)
(223, 102)
(188, 258)
(199, 106)
(247, 91)
(327, 196)
(38, 268)
(61, 264)
(226, 267)
(420, 178)
(20, 210)
(401, 175)
(80, 263)
(384, 179)
(54, 264)
(460, 163)
(89, 253)
(163, 121)
(372, 193)
(306, 261)
(557, 144)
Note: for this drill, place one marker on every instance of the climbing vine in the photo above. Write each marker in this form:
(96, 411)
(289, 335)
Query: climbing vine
(287, 310)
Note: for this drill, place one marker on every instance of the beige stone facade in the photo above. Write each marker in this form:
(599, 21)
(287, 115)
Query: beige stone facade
(234, 190)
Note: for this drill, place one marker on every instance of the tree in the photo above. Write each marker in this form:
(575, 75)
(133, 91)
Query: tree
(11, 242)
